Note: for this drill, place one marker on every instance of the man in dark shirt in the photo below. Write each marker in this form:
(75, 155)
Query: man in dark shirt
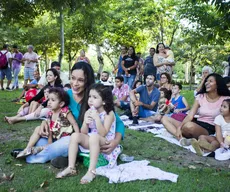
(149, 68)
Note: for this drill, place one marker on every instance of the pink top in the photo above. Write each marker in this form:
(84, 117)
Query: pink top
(123, 91)
(208, 111)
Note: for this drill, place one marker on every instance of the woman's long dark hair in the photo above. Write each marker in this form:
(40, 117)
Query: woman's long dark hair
(157, 51)
(58, 80)
(134, 52)
(106, 95)
(89, 80)
(222, 89)
(167, 76)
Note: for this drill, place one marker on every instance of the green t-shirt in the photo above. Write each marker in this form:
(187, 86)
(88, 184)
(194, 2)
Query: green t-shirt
(75, 109)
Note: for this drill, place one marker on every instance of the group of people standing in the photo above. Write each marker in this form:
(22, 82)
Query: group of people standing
(12, 62)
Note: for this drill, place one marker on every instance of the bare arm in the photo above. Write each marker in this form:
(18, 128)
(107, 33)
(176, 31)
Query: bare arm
(108, 121)
(183, 109)
(132, 95)
(156, 63)
(85, 125)
(123, 66)
(134, 66)
(111, 145)
(219, 135)
(50, 138)
(73, 122)
(191, 114)
(150, 107)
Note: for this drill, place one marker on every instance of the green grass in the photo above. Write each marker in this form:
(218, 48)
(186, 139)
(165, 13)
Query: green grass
(209, 174)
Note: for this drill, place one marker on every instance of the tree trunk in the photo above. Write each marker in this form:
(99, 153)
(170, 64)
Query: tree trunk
(100, 61)
(61, 36)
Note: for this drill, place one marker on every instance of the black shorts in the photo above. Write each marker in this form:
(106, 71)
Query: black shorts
(210, 128)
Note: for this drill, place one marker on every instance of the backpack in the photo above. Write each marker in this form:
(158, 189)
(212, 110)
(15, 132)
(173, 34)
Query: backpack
(3, 60)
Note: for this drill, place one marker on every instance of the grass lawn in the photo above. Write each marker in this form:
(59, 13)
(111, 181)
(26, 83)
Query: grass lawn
(206, 174)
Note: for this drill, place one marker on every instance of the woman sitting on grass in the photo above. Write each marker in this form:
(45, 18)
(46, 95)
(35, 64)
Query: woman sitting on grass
(98, 127)
(61, 122)
(222, 138)
(82, 77)
(24, 114)
(208, 103)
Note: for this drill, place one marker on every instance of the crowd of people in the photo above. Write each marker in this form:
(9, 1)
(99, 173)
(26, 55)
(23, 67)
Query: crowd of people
(82, 114)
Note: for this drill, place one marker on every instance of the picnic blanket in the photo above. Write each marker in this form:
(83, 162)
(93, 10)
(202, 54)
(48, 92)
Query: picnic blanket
(136, 170)
(157, 129)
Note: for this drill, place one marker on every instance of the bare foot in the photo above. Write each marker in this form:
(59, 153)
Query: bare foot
(11, 120)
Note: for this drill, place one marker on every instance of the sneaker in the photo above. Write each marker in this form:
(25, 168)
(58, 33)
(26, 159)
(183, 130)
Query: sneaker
(222, 154)
(196, 146)
(15, 152)
(3, 89)
(185, 142)
(135, 121)
(8, 89)
(60, 162)
(17, 87)
(12, 88)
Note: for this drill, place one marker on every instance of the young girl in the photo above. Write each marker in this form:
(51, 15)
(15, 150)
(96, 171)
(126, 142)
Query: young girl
(54, 80)
(98, 127)
(222, 126)
(61, 121)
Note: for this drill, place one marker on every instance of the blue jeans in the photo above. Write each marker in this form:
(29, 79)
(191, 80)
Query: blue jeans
(55, 149)
(143, 113)
(16, 71)
(129, 80)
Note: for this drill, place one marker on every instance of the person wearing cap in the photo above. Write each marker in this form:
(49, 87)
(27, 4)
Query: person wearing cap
(56, 65)
(6, 72)
(30, 59)
(16, 65)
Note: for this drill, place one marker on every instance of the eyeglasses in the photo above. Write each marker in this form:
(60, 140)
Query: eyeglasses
(163, 77)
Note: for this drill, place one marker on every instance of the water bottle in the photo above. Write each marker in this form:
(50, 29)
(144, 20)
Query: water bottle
(91, 125)
(126, 158)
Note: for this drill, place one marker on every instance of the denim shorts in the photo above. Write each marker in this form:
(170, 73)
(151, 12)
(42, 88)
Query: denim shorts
(28, 73)
(6, 73)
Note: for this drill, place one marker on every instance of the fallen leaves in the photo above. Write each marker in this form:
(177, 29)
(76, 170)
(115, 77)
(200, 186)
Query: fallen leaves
(44, 184)
(191, 167)
(5, 177)
(19, 165)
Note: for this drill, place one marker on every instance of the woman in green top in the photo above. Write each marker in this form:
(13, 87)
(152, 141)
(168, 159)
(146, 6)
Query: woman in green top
(82, 76)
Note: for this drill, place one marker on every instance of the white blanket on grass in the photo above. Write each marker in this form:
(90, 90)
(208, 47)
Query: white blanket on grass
(158, 130)
(136, 170)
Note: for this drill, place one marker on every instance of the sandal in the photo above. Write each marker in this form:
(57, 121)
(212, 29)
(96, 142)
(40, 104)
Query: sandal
(24, 153)
(69, 171)
(36, 150)
(87, 179)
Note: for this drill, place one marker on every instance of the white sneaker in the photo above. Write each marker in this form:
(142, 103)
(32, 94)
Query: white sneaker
(222, 154)
(185, 142)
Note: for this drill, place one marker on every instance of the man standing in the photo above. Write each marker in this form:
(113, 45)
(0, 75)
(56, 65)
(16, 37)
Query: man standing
(119, 69)
(149, 68)
(149, 97)
(5, 67)
(55, 65)
(16, 65)
(30, 58)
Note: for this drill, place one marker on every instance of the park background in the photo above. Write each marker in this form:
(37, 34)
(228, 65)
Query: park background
(196, 30)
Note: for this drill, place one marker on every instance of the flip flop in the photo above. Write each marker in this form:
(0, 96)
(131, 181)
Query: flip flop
(67, 173)
(87, 179)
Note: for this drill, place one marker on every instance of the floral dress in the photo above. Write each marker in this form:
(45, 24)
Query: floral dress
(61, 127)
(163, 69)
(112, 157)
